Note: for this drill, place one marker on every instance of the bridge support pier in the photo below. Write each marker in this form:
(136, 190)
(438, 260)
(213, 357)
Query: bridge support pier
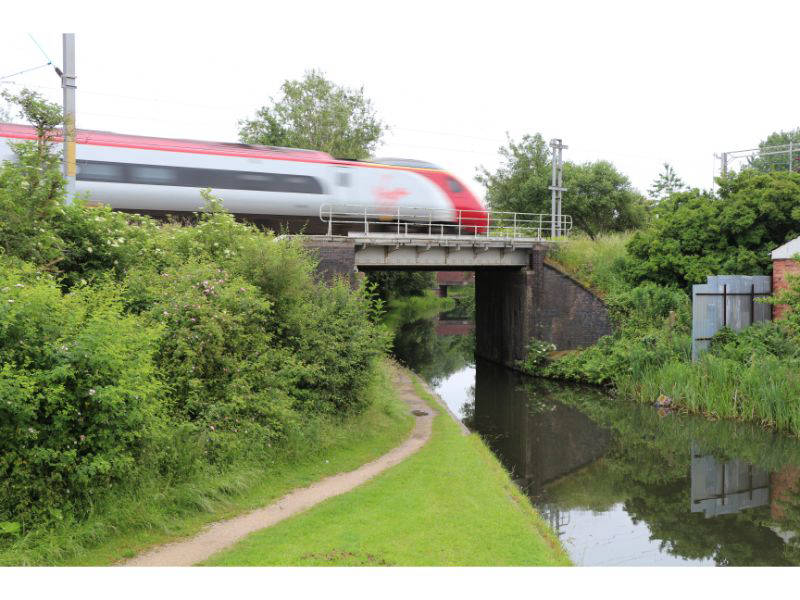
(505, 313)
(538, 301)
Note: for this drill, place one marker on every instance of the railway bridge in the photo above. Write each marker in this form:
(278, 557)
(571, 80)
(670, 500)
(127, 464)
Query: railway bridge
(520, 294)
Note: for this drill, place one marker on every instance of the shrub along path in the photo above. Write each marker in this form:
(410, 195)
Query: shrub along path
(223, 534)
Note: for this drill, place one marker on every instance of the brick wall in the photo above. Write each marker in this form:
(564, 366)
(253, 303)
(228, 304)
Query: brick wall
(780, 268)
(455, 277)
(336, 259)
(568, 314)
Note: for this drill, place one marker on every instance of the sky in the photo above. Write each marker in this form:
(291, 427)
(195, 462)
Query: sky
(635, 83)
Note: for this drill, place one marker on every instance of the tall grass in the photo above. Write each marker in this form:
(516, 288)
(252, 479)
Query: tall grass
(595, 263)
(766, 390)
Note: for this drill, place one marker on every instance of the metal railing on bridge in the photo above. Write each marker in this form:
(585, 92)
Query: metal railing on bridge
(412, 221)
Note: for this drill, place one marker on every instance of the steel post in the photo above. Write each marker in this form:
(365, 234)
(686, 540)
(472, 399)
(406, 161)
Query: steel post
(68, 85)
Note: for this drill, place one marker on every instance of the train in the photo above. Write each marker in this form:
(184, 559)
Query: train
(279, 187)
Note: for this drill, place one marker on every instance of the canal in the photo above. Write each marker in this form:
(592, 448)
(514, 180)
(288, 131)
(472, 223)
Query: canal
(620, 483)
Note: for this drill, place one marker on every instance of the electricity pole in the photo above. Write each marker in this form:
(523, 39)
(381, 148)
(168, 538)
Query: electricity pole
(556, 188)
(68, 84)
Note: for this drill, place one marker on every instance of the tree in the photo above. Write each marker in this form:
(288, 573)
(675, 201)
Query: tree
(45, 116)
(317, 114)
(599, 198)
(666, 184)
(696, 234)
(32, 188)
(777, 143)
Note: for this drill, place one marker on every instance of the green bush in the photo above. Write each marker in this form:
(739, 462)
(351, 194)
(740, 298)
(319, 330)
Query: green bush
(80, 396)
(95, 242)
(31, 196)
(696, 234)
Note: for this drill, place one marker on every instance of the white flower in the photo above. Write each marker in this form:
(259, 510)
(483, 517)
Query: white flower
(89, 249)
(11, 302)
(92, 391)
(18, 285)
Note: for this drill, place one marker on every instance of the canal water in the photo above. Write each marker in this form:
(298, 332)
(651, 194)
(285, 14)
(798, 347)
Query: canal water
(626, 484)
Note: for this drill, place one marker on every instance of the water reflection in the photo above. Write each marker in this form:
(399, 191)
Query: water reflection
(435, 348)
(622, 484)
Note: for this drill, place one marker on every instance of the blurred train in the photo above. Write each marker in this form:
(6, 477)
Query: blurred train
(271, 185)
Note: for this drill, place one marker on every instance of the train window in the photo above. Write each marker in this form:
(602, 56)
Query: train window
(343, 179)
(197, 178)
(454, 186)
(99, 171)
(153, 174)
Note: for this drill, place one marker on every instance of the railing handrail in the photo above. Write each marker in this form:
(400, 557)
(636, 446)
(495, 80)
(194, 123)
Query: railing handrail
(459, 222)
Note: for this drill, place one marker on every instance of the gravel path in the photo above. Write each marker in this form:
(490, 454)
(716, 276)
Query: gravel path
(224, 534)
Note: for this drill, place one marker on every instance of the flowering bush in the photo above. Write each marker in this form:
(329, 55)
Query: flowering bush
(79, 394)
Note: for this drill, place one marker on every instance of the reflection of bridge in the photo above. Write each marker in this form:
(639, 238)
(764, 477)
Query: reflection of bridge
(538, 439)
(454, 326)
(518, 295)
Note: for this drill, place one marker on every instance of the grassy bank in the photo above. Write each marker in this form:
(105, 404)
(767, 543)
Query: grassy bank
(451, 503)
(150, 514)
(752, 375)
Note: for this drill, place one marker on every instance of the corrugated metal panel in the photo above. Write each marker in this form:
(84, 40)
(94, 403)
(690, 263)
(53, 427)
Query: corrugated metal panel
(727, 300)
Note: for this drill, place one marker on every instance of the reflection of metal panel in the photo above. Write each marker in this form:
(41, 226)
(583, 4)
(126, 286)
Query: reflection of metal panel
(726, 488)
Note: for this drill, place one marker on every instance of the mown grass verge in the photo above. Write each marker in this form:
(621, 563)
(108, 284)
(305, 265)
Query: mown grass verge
(150, 514)
(450, 504)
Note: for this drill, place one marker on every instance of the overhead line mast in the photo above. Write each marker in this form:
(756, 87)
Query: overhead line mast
(556, 225)
(68, 84)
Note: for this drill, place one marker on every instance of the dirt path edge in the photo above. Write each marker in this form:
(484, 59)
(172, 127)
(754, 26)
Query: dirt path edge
(223, 534)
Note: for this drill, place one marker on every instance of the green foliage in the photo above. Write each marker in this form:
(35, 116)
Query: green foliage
(749, 375)
(45, 116)
(770, 338)
(80, 396)
(666, 184)
(773, 152)
(651, 322)
(400, 284)
(537, 352)
(694, 234)
(599, 264)
(31, 197)
(599, 198)
(317, 114)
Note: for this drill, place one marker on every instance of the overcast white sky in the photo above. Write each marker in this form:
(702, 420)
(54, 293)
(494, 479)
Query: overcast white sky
(636, 83)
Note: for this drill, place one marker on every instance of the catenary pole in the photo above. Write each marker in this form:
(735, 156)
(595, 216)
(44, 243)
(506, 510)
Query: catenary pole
(68, 84)
(557, 187)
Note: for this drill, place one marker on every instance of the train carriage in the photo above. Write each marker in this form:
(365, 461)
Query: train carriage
(273, 185)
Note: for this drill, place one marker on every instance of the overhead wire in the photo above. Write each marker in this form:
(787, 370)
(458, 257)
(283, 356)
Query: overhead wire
(24, 71)
(47, 64)
(38, 45)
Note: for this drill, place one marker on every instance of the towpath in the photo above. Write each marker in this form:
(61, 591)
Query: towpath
(223, 534)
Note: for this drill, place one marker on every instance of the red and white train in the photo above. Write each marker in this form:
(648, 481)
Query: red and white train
(162, 176)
